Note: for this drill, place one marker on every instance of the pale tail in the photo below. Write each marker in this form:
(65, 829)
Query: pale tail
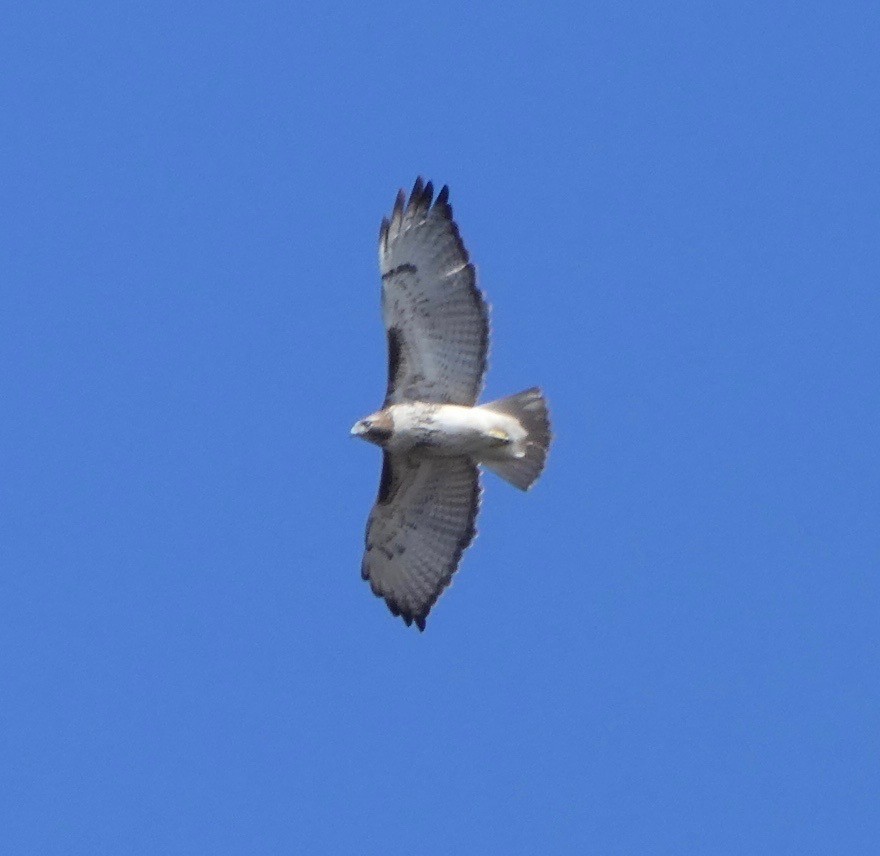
(530, 409)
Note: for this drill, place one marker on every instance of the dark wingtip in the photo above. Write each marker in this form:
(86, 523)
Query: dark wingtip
(441, 203)
(408, 617)
(417, 190)
(421, 196)
(399, 202)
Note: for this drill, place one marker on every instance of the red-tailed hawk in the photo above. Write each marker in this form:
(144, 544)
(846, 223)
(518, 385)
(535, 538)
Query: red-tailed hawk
(431, 433)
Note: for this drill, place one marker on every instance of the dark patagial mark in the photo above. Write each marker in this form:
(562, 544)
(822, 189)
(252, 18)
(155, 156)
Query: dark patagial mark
(386, 481)
(395, 349)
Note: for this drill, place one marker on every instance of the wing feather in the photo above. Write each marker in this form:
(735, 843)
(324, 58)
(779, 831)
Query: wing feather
(423, 520)
(436, 318)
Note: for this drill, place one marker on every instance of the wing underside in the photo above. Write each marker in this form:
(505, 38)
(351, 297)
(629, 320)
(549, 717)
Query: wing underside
(423, 520)
(435, 316)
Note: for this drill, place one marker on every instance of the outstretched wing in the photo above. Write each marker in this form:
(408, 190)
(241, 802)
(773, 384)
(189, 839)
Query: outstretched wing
(437, 321)
(422, 522)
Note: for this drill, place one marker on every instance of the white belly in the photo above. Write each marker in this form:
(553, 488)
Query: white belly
(449, 430)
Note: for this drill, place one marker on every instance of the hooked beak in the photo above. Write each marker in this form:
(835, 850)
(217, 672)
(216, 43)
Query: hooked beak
(359, 429)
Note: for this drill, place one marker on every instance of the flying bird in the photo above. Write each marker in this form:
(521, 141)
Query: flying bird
(431, 431)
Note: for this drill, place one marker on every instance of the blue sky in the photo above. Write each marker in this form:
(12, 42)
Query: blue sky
(669, 646)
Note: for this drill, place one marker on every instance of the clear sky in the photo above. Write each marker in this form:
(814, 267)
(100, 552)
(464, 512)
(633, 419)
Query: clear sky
(670, 646)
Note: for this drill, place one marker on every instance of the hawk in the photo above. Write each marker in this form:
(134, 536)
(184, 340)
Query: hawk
(432, 433)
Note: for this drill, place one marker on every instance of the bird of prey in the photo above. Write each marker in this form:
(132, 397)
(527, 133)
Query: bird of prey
(430, 430)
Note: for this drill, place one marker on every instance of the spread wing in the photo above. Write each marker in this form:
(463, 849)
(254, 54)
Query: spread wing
(435, 316)
(422, 522)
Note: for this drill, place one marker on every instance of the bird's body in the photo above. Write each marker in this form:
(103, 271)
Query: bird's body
(449, 430)
(432, 433)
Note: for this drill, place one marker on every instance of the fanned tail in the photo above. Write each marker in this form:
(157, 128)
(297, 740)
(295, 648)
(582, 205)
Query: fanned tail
(529, 408)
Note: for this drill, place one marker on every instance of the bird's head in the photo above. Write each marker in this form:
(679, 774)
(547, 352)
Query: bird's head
(376, 428)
